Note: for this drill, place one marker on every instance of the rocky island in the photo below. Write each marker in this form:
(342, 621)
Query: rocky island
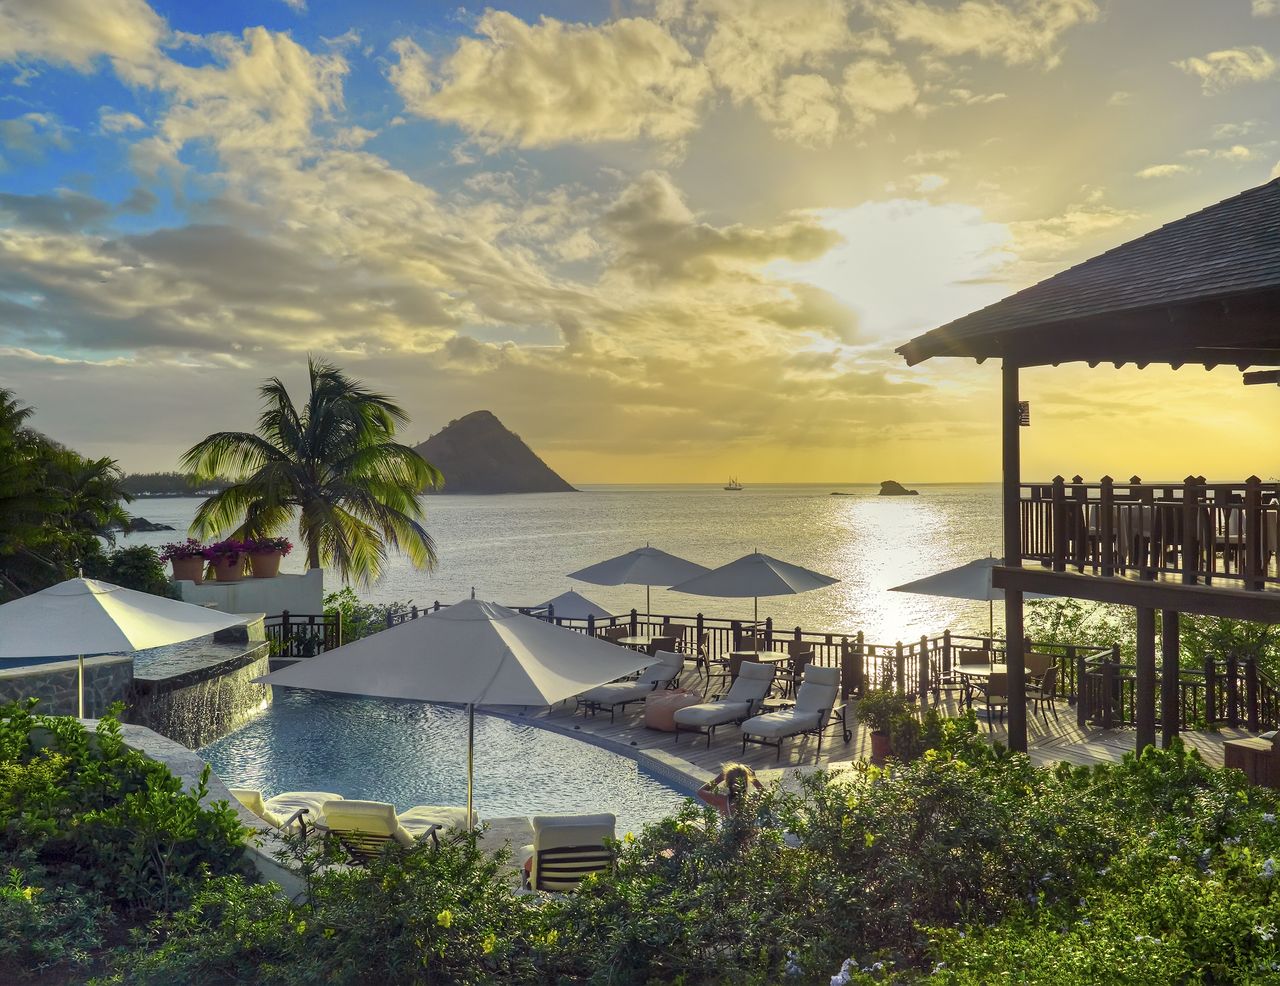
(478, 454)
(892, 488)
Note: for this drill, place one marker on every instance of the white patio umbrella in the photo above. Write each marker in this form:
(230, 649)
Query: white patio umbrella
(472, 653)
(644, 566)
(968, 581)
(87, 617)
(755, 575)
(575, 606)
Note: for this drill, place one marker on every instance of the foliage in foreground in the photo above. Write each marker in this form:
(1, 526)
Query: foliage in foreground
(966, 866)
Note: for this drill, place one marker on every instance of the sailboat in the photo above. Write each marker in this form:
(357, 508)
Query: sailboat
(734, 484)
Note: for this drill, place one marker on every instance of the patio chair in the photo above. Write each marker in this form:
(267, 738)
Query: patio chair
(367, 828)
(1037, 665)
(619, 694)
(676, 632)
(810, 717)
(1042, 696)
(743, 699)
(614, 633)
(565, 849)
(292, 811)
(665, 645)
(995, 695)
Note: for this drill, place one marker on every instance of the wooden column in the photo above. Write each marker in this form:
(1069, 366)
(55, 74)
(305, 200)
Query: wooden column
(1144, 712)
(1170, 693)
(1015, 658)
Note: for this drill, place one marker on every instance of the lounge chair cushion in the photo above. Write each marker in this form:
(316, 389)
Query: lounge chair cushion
(785, 723)
(251, 798)
(712, 714)
(418, 821)
(287, 803)
(617, 692)
(575, 844)
(375, 819)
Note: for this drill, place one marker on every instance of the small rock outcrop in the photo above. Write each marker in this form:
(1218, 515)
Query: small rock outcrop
(136, 524)
(477, 454)
(893, 488)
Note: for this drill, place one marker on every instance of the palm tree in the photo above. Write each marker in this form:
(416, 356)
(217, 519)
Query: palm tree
(335, 462)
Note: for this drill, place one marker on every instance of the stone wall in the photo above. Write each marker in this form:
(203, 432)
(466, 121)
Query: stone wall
(107, 679)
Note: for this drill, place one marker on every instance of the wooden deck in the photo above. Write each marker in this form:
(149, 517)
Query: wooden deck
(1059, 739)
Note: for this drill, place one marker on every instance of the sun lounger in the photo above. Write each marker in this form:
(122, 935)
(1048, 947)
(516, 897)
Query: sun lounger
(741, 702)
(292, 811)
(366, 828)
(620, 694)
(565, 849)
(810, 716)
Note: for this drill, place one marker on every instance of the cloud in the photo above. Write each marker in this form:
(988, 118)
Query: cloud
(61, 210)
(804, 109)
(117, 122)
(537, 85)
(79, 32)
(873, 87)
(31, 134)
(1265, 8)
(1121, 97)
(1163, 171)
(1051, 239)
(1221, 70)
(300, 6)
(1016, 32)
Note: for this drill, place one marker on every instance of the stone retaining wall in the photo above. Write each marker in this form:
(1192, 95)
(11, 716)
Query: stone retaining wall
(107, 679)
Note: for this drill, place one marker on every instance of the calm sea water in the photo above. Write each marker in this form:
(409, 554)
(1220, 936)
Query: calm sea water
(517, 550)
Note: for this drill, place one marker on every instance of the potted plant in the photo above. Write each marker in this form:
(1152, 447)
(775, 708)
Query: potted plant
(227, 559)
(881, 710)
(187, 558)
(265, 555)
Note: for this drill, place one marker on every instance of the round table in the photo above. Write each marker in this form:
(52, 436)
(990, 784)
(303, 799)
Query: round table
(638, 642)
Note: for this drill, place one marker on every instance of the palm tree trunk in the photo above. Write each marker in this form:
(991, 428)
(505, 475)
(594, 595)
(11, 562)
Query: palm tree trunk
(313, 554)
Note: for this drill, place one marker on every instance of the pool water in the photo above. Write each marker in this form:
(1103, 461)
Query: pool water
(413, 753)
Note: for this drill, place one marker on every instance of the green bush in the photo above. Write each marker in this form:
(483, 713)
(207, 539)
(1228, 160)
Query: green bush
(44, 924)
(135, 567)
(359, 619)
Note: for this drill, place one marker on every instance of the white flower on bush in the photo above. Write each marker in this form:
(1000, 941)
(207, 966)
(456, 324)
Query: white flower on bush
(1269, 818)
(1265, 932)
(793, 967)
(1269, 868)
(842, 977)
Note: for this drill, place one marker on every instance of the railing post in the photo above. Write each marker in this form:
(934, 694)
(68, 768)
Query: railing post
(698, 642)
(924, 669)
(1253, 533)
(1107, 687)
(1083, 710)
(436, 607)
(591, 624)
(900, 664)
(286, 637)
(1233, 690)
(768, 632)
(551, 614)
(735, 634)
(860, 665)
(339, 628)
(1107, 525)
(1190, 530)
(1251, 693)
(413, 611)
(946, 653)
(1210, 692)
(634, 618)
(846, 669)
(1059, 516)
(1079, 522)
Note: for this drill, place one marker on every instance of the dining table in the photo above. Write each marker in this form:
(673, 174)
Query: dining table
(638, 642)
(975, 675)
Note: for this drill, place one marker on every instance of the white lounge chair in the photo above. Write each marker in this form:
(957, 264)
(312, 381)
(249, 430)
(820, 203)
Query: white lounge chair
(620, 694)
(741, 702)
(366, 828)
(565, 849)
(819, 690)
(292, 811)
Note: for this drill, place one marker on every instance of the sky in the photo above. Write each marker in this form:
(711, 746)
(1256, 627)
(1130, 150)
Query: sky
(663, 240)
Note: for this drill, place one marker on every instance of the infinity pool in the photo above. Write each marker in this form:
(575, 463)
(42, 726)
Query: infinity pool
(410, 753)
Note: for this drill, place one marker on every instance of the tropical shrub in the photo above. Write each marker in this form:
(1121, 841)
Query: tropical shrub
(135, 567)
(359, 619)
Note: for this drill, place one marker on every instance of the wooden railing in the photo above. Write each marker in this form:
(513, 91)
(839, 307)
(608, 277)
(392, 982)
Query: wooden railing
(1197, 531)
(910, 667)
(1221, 692)
(303, 634)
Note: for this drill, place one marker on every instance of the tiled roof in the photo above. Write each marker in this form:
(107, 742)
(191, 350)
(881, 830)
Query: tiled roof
(1227, 250)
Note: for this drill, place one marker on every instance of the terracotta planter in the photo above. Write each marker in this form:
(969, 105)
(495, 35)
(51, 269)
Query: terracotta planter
(228, 568)
(188, 569)
(880, 749)
(265, 564)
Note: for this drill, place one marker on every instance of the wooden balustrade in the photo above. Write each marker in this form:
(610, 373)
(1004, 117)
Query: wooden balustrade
(1196, 531)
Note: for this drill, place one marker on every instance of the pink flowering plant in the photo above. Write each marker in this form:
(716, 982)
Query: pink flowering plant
(227, 550)
(177, 550)
(266, 545)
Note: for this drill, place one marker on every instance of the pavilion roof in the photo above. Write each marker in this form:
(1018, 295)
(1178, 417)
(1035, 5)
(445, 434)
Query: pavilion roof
(1203, 289)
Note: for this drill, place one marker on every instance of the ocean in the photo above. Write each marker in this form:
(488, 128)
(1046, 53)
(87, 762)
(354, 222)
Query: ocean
(517, 550)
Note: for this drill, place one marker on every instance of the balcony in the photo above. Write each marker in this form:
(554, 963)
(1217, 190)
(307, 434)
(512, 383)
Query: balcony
(1193, 533)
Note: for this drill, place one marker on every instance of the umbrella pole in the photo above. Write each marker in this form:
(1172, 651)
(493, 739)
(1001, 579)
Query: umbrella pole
(648, 606)
(991, 618)
(471, 750)
(80, 686)
(755, 624)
